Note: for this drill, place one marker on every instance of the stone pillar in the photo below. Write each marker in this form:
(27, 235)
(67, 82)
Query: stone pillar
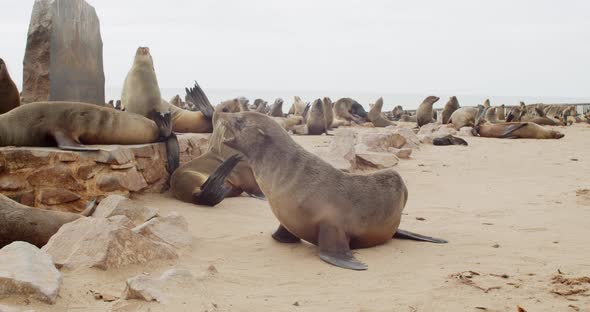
(63, 59)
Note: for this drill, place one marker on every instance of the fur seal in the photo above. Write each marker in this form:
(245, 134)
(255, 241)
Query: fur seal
(141, 95)
(397, 112)
(347, 110)
(315, 121)
(424, 114)
(255, 104)
(9, 96)
(486, 104)
(328, 112)
(451, 106)
(314, 201)
(229, 106)
(513, 130)
(376, 117)
(297, 107)
(449, 140)
(33, 225)
(276, 110)
(491, 115)
(408, 118)
(501, 112)
(463, 117)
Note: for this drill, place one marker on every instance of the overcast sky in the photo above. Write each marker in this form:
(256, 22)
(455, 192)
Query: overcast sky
(505, 47)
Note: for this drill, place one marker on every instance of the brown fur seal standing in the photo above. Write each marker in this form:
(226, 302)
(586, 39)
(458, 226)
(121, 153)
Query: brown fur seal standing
(451, 106)
(141, 95)
(424, 114)
(490, 115)
(32, 225)
(347, 110)
(486, 104)
(297, 107)
(276, 110)
(328, 112)
(376, 117)
(315, 121)
(501, 112)
(463, 117)
(314, 201)
(9, 96)
(513, 130)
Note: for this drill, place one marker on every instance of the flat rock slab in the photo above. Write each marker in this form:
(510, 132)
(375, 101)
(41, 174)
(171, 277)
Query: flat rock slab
(66, 181)
(117, 205)
(172, 230)
(27, 270)
(104, 244)
(162, 289)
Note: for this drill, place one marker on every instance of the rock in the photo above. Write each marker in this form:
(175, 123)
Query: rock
(466, 131)
(376, 160)
(56, 196)
(403, 153)
(431, 131)
(412, 140)
(117, 205)
(152, 169)
(341, 153)
(63, 57)
(12, 183)
(18, 158)
(103, 244)
(26, 270)
(381, 141)
(160, 289)
(59, 175)
(172, 230)
(122, 180)
(112, 155)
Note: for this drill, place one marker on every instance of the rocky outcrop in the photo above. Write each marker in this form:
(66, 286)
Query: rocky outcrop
(64, 180)
(104, 244)
(63, 57)
(162, 289)
(26, 270)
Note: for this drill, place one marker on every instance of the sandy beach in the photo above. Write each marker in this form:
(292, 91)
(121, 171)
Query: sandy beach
(515, 212)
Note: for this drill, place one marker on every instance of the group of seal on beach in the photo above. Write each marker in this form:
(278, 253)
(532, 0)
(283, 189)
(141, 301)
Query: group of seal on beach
(250, 151)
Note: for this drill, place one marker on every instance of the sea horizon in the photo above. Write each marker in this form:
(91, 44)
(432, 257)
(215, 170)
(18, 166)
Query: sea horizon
(408, 101)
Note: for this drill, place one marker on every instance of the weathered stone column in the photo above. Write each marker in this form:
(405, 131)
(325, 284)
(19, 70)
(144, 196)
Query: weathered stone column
(63, 59)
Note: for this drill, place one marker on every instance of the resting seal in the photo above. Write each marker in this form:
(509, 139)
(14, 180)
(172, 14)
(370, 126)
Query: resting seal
(451, 106)
(513, 130)
(424, 114)
(141, 95)
(314, 201)
(9, 96)
(347, 110)
(376, 117)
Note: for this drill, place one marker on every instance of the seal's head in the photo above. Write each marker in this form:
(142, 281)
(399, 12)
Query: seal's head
(143, 56)
(431, 100)
(3, 70)
(250, 132)
(229, 106)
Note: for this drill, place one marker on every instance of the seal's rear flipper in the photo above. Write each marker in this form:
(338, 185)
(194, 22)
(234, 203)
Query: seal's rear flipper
(401, 234)
(257, 195)
(335, 249)
(510, 128)
(173, 153)
(214, 190)
(196, 96)
(283, 235)
(65, 141)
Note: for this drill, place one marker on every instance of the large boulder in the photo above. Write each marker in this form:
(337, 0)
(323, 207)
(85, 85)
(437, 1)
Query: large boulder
(63, 57)
(104, 244)
(26, 270)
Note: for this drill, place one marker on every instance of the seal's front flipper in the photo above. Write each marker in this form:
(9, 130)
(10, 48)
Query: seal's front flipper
(164, 123)
(172, 153)
(214, 190)
(510, 128)
(65, 141)
(335, 249)
(284, 236)
(401, 234)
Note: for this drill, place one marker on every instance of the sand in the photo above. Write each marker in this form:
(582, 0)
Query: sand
(515, 213)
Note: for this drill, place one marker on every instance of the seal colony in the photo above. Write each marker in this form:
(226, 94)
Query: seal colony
(314, 201)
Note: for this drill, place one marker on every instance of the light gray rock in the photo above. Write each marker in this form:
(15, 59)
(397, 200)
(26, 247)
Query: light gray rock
(376, 160)
(114, 205)
(27, 270)
(172, 230)
(466, 132)
(103, 244)
(162, 289)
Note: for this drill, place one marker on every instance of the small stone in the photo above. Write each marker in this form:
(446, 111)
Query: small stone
(496, 246)
(124, 166)
(117, 205)
(67, 157)
(147, 288)
(420, 219)
(172, 230)
(12, 183)
(56, 196)
(26, 270)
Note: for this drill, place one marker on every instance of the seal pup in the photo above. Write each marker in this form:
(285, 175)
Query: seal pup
(424, 114)
(255, 104)
(9, 96)
(141, 95)
(328, 112)
(451, 106)
(33, 225)
(376, 117)
(513, 130)
(262, 107)
(449, 140)
(313, 200)
(276, 110)
(347, 110)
